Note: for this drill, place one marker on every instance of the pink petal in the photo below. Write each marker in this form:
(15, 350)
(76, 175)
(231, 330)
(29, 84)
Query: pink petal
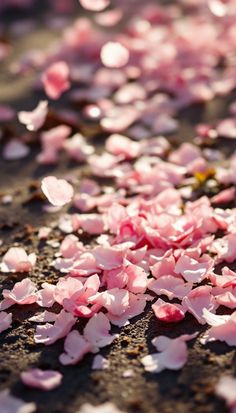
(58, 191)
(23, 292)
(170, 286)
(100, 363)
(14, 150)
(102, 408)
(225, 196)
(167, 312)
(226, 388)
(49, 333)
(199, 299)
(94, 5)
(173, 354)
(41, 379)
(35, 119)
(17, 260)
(96, 331)
(11, 404)
(5, 321)
(56, 79)
(114, 54)
(75, 346)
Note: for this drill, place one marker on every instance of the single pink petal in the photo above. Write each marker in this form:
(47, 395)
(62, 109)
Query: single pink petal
(35, 119)
(75, 346)
(41, 379)
(121, 145)
(96, 331)
(56, 79)
(5, 320)
(173, 354)
(49, 333)
(58, 191)
(44, 317)
(11, 404)
(223, 328)
(107, 407)
(191, 269)
(116, 301)
(17, 260)
(100, 363)
(94, 5)
(170, 286)
(199, 299)
(167, 312)
(23, 292)
(226, 388)
(45, 296)
(225, 196)
(15, 149)
(114, 54)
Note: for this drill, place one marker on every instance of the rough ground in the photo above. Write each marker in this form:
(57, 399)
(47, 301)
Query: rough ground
(188, 390)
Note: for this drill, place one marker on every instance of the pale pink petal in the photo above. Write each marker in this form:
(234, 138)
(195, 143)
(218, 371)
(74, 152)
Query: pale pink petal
(45, 296)
(167, 312)
(15, 149)
(108, 258)
(173, 354)
(41, 379)
(11, 404)
(102, 408)
(58, 191)
(121, 145)
(226, 388)
(23, 292)
(5, 320)
(94, 5)
(199, 299)
(170, 286)
(100, 363)
(44, 317)
(75, 347)
(191, 269)
(225, 196)
(114, 54)
(35, 119)
(17, 260)
(116, 301)
(56, 79)
(96, 331)
(49, 333)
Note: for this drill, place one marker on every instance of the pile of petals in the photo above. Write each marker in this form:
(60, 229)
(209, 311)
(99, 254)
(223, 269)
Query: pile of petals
(155, 236)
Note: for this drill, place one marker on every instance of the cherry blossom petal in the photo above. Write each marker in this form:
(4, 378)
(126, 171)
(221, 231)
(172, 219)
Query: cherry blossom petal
(35, 119)
(23, 292)
(75, 347)
(96, 331)
(5, 321)
(17, 260)
(225, 388)
(199, 299)
(58, 191)
(114, 54)
(41, 379)
(173, 354)
(56, 79)
(49, 333)
(167, 312)
(94, 5)
(100, 363)
(102, 408)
